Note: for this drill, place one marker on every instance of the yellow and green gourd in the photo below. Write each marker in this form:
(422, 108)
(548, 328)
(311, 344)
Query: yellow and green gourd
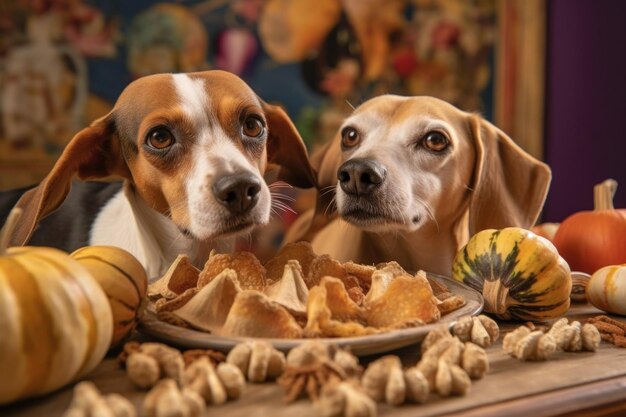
(520, 274)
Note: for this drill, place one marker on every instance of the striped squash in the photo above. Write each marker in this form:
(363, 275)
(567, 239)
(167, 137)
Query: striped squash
(606, 289)
(55, 321)
(124, 281)
(520, 274)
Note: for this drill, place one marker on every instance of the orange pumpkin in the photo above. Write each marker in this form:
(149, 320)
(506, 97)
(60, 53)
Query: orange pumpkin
(590, 240)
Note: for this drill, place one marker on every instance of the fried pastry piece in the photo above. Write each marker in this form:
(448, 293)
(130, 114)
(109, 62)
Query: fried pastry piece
(180, 277)
(331, 312)
(393, 267)
(250, 272)
(362, 272)
(299, 251)
(380, 282)
(290, 291)
(208, 309)
(406, 301)
(323, 266)
(253, 314)
(163, 304)
(448, 302)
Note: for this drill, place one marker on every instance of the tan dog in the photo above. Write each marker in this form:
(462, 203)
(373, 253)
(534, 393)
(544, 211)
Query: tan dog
(412, 179)
(192, 149)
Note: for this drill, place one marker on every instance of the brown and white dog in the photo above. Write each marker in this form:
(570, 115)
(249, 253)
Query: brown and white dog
(412, 178)
(192, 149)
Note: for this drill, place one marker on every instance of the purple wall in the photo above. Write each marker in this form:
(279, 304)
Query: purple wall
(586, 102)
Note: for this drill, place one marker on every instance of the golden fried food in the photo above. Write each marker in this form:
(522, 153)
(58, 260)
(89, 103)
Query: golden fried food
(450, 303)
(300, 294)
(406, 300)
(250, 272)
(361, 272)
(332, 313)
(290, 291)
(210, 307)
(300, 251)
(180, 277)
(254, 315)
(323, 266)
(163, 304)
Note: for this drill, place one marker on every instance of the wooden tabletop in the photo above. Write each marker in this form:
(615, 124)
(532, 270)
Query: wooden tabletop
(581, 383)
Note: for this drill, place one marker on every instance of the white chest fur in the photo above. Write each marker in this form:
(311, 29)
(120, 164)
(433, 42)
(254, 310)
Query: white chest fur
(127, 222)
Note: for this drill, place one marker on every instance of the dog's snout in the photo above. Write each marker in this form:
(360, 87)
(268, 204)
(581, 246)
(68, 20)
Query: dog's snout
(360, 176)
(238, 192)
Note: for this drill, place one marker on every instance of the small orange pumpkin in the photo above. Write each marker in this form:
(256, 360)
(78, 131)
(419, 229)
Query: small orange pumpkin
(590, 240)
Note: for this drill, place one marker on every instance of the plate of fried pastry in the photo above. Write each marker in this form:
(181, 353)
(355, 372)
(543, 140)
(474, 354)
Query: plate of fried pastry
(298, 295)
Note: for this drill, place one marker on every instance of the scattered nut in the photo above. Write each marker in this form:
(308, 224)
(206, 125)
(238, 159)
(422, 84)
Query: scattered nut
(314, 351)
(191, 355)
(525, 344)
(202, 378)
(572, 337)
(344, 399)
(451, 379)
(88, 401)
(312, 365)
(149, 362)
(166, 399)
(385, 381)
(258, 360)
(448, 364)
(474, 361)
(480, 330)
(233, 379)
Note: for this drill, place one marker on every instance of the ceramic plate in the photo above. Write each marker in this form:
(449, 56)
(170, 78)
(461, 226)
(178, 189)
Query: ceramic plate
(361, 345)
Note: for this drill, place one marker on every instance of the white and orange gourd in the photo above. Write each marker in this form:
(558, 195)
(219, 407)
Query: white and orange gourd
(55, 320)
(123, 280)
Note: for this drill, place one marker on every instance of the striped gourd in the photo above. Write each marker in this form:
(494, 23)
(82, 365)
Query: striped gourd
(520, 274)
(55, 322)
(124, 281)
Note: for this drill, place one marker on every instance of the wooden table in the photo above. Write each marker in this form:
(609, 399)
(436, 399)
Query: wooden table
(581, 383)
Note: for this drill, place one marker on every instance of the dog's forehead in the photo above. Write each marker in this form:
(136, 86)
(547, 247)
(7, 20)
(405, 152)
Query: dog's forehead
(399, 109)
(215, 93)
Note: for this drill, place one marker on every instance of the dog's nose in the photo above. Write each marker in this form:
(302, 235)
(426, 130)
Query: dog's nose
(237, 192)
(360, 176)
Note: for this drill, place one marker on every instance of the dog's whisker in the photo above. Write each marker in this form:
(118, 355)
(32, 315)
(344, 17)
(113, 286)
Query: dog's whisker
(279, 184)
(276, 196)
(332, 202)
(430, 213)
(282, 207)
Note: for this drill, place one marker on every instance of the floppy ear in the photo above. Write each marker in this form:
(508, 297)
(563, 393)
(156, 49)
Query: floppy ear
(510, 186)
(286, 149)
(94, 152)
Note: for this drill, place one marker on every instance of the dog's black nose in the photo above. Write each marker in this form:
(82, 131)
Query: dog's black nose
(360, 176)
(237, 192)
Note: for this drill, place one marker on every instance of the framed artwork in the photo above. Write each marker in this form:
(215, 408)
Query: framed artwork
(64, 62)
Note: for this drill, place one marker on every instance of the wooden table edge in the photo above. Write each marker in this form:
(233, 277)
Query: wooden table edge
(588, 399)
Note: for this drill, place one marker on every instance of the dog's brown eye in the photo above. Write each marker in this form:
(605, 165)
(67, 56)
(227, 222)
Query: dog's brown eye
(253, 127)
(160, 138)
(436, 141)
(350, 137)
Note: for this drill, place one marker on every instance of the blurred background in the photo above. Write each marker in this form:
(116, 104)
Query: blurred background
(549, 73)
